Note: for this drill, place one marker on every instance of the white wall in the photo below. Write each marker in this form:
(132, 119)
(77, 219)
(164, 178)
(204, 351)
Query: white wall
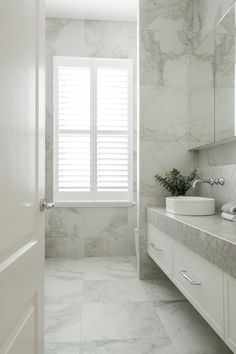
(77, 232)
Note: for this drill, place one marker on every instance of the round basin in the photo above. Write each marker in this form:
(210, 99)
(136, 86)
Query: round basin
(190, 205)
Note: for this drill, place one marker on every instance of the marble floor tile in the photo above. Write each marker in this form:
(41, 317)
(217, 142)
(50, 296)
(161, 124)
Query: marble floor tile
(102, 321)
(63, 269)
(201, 345)
(133, 261)
(63, 290)
(114, 291)
(131, 346)
(181, 319)
(162, 289)
(99, 306)
(91, 268)
(108, 268)
(63, 295)
(62, 348)
(62, 323)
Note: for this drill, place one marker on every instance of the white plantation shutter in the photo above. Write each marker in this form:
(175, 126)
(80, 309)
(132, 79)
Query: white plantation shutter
(92, 129)
(112, 129)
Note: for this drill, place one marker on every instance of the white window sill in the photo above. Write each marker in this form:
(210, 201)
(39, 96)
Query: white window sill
(94, 204)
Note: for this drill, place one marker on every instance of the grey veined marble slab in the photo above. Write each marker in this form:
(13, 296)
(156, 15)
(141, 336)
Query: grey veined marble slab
(210, 236)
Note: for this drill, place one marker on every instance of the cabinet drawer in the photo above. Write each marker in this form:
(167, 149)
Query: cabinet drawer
(230, 311)
(202, 283)
(160, 249)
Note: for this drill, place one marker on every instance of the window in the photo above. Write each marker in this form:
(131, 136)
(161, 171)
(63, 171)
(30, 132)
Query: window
(93, 108)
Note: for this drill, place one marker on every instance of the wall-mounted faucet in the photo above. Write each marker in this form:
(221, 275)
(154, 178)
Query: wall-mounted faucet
(211, 181)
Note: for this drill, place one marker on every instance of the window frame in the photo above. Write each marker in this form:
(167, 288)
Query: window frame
(93, 197)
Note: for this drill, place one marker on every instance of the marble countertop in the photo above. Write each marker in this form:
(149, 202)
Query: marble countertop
(210, 236)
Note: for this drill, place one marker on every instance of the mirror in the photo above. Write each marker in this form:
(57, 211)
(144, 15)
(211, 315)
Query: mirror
(225, 77)
(212, 116)
(201, 94)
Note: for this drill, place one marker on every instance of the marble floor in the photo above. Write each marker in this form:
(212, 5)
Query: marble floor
(98, 306)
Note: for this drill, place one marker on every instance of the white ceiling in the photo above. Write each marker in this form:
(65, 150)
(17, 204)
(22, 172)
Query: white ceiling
(107, 10)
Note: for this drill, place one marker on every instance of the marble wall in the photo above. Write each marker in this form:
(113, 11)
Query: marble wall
(166, 40)
(218, 161)
(224, 76)
(209, 13)
(76, 232)
(201, 93)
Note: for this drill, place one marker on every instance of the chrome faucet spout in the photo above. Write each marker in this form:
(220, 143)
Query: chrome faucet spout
(210, 181)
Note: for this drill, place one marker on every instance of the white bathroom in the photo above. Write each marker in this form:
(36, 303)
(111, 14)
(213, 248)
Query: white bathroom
(118, 178)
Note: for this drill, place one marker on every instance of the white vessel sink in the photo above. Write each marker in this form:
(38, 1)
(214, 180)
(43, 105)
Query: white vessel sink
(190, 205)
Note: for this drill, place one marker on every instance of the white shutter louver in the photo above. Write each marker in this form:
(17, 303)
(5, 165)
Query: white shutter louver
(92, 129)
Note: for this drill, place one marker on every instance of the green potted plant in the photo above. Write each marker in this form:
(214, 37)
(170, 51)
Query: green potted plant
(175, 183)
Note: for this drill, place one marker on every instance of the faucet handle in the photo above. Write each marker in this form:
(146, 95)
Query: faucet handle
(211, 181)
(220, 181)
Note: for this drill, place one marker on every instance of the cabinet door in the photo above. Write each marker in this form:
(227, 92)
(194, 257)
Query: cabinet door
(230, 311)
(160, 249)
(202, 283)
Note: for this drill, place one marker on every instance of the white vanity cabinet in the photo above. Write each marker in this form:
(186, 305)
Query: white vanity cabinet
(211, 291)
(230, 311)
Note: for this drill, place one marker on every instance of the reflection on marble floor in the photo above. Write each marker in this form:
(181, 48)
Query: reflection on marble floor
(98, 306)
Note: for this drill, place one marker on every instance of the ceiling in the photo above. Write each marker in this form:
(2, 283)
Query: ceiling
(106, 10)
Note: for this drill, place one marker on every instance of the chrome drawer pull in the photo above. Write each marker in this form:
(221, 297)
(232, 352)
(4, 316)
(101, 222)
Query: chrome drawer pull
(184, 274)
(156, 248)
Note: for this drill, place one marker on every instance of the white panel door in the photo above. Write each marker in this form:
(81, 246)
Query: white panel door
(21, 176)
